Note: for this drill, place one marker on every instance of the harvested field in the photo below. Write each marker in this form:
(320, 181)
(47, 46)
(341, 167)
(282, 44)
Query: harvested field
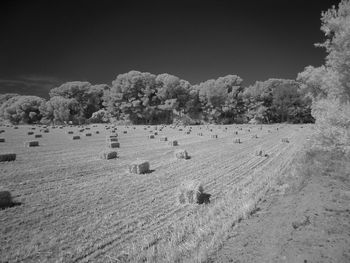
(77, 207)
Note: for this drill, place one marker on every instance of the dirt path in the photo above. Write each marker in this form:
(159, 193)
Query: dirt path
(311, 224)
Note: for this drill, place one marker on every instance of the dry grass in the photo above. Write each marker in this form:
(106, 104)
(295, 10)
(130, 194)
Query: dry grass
(79, 208)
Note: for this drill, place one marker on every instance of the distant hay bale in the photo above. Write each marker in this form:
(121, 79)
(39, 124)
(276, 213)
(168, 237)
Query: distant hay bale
(7, 157)
(151, 136)
(163, 139)
(87, 128)
(187, 132)
(97, 132)
(190, 192)
(16, 128)
(200, 134)
(255, 136)
(260, 152)
(180, 129)
(112, 138)
(248, 130)
(81, 130)
(269, 131)
(181, 154)
(214, 136)
(2, 139)
(30, 133)
(125, 132)
(113, 144)
(237, 140)
(88, 134)
(236, 132)
(70, 132)
(31, 144)
(46, 131)
(286, 140)
(108, 155)
(38, 135)
(1, 131)
(76, 137)
(5, 199)
(173, 143)
(139, 167)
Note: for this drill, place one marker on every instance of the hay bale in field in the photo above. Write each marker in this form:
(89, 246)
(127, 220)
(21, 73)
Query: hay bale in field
(1, 131)
(180, 129)
(269, 131)
(16, 128)
(187, 132)
(30, 133)
(139, 167)
(125, 132)
(7, 157)
(46, 131)
(108, 155)
(151, 136)
(113, 144)
(76, 137)
(5, 199)
(260, 152)
(163, 139)
(181, 154)
(214, 136)
(2, 139)
(236, 132)
(81, 130)
(255, 136)
(70, 132)
(286, 140)
(38, 135)
(89, 134)
(31, 144)
(190, 192)
(237, 140)
(173, 143)
(112, 139)
(87, 128)
(200, 134)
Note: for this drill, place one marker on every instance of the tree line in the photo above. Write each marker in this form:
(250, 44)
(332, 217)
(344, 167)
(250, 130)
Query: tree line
(144, 98)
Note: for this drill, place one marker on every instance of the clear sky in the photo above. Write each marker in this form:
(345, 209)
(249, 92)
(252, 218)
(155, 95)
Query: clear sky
(46, 43)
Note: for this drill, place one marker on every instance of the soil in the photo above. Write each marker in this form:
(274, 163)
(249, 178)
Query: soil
(310, 224)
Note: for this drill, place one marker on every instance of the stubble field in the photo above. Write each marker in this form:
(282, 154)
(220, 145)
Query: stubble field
(77, 207)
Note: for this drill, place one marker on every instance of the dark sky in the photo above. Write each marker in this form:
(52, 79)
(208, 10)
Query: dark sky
(45, 43)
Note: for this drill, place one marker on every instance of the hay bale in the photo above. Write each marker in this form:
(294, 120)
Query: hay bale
(76, 137)
(38, 135)
(181, 154)
(16, 128)
(139, 167)
(7, 157)
(255, 136)
(112, 139)
(113, 144)
(173, 143)
(5, 199)
(285, 140)
(163, 139)
(97, 132)
(125, 132)
(236, 132)
(107, 155)
(81, 130)
(187, 132)
(190, 192)
(46, 131)
(214, 136)
(200, 134)
(151, 136)
(237, 140)
(2, 139)
(89, 134)
(30, 133)
(70, 132)
(260, 152)
(31, 144)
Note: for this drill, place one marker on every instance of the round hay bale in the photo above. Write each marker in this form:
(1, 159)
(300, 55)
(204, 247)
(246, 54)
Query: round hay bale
(163, 139)
(139, 167)
(5, 199)
(7, 157)
(107, 155)
(181, 154)
(190, 192)
(173, 143)
(31, 144)
(113, 145)
(2, 139)
(76, 137)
